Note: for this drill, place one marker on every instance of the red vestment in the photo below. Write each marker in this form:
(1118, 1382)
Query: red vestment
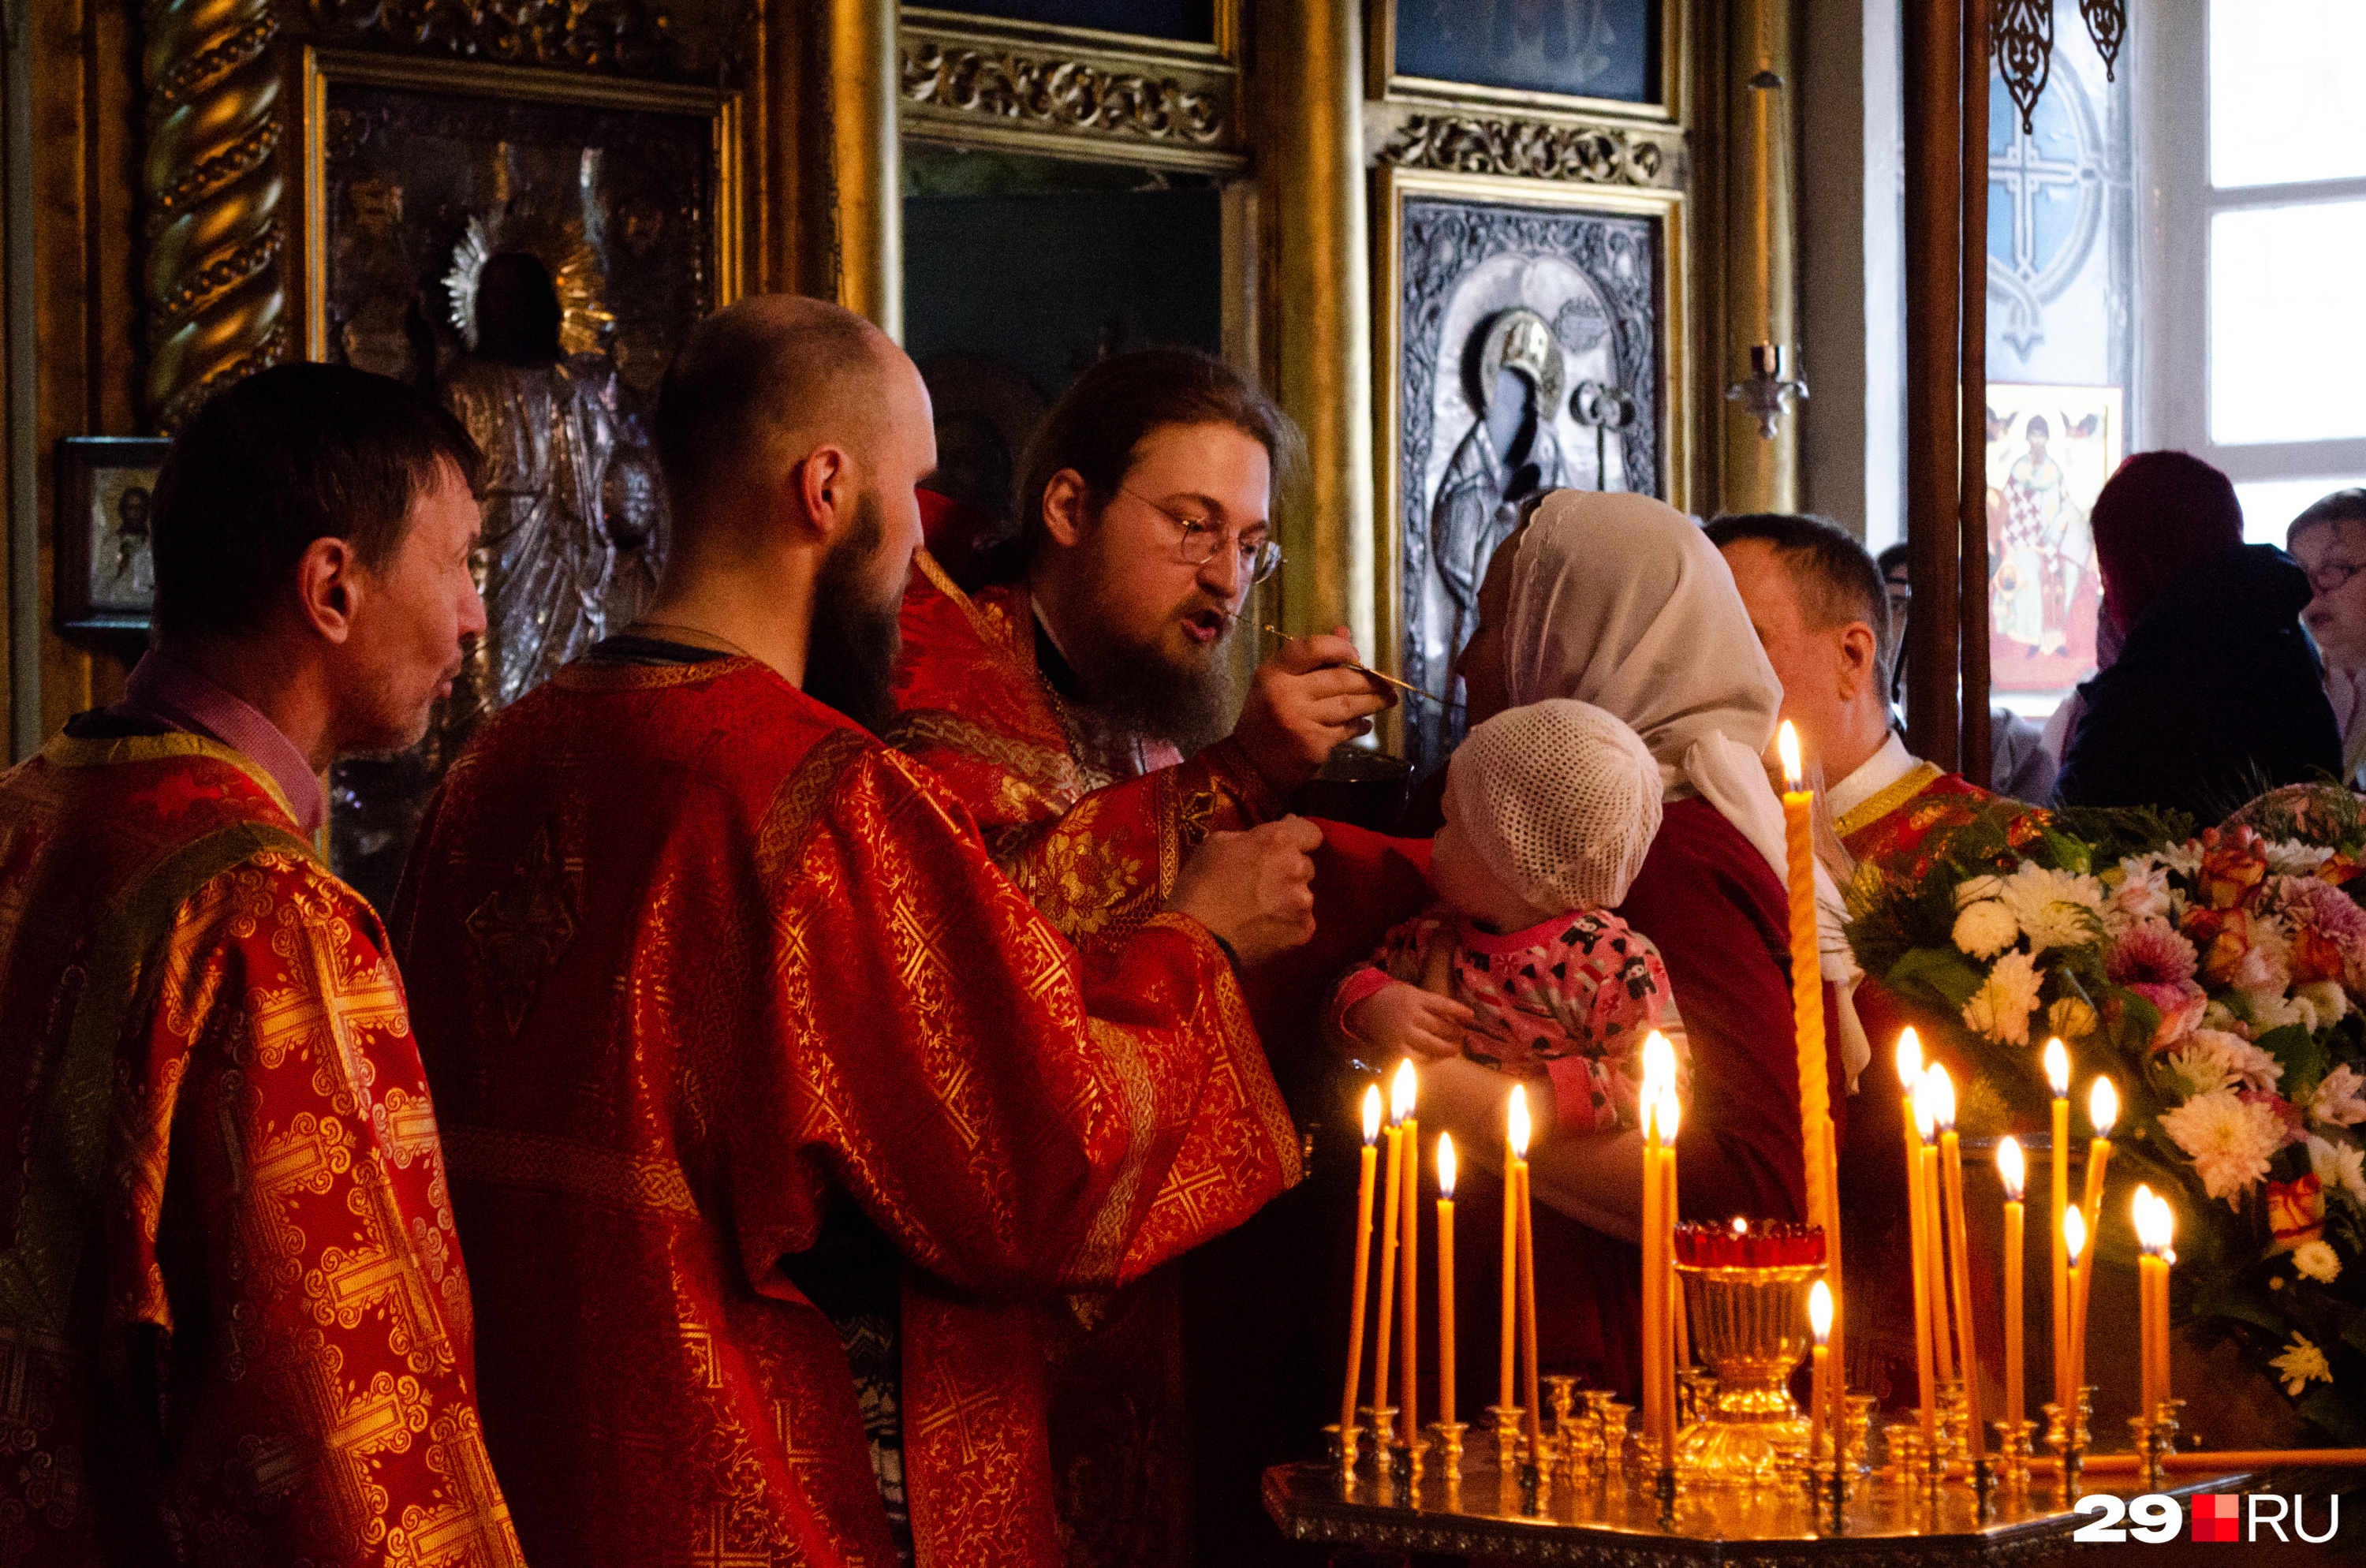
(1095, 828)
(705, 970)
(1887, 828)
(233, 1319)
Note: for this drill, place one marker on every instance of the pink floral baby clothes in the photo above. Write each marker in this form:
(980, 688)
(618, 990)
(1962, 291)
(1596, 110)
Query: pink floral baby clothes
(1570, 998)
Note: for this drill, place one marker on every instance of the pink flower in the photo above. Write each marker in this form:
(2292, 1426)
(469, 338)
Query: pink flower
(2340, 1098)
(2322, 915)
(2155, 961)
(2287, 1114)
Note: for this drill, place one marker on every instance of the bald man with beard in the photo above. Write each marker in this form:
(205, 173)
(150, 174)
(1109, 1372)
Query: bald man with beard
(776, 1112)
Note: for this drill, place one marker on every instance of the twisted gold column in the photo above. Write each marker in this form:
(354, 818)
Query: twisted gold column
(215, 220)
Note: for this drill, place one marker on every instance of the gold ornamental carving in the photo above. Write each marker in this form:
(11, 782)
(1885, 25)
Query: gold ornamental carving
(616, 34)
(217, 219)
(1544, 150)
(1070, 96)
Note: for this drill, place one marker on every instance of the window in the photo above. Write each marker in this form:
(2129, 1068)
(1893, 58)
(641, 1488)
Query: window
(2257, 176)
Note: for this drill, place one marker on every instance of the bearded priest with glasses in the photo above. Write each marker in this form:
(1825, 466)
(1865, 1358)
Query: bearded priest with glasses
(1075, 688)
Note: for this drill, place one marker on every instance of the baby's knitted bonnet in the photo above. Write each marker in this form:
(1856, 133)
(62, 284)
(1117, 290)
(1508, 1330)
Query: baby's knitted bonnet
(1560, 799)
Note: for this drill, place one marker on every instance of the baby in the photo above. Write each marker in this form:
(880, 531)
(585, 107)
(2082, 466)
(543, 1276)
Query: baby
(1519, 964)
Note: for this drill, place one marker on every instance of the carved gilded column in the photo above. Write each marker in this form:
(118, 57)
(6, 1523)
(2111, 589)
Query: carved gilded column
(866, 211)
(1314, 151)
(217, 219)
(1758, 472)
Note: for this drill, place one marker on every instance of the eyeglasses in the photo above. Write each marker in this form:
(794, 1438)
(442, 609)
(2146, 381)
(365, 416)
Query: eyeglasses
(1199, 540)
(2326, 576)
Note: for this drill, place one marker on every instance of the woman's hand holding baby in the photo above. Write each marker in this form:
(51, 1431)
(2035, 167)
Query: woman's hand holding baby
(1403, 1017)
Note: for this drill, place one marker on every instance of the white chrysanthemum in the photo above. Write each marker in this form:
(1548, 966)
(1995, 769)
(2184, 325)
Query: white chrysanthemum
(2330, 1002)
(1985, 929)
(2229, 1141)
(2340, 1098)
(2055, 909)
(2290, 857)
(2301, 1364)
(2142, 893)
(2001, 1008)
(2341, 1166)
(2212, 1059)
(2318, 1262)
(1972, 889)
(2184, 858)
(2273, 1009)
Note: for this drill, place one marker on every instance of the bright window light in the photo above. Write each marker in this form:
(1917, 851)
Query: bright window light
(2286, 319)
(2269, 505)
(2286, 79)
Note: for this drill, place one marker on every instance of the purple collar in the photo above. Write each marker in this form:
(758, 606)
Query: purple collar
(165, 691)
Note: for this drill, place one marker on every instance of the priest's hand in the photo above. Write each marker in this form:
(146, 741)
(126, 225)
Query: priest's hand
(1303, 701)
(1253, 889)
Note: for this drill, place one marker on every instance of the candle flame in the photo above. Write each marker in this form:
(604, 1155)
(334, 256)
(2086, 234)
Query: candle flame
(2012, 1169)
(1942, 1097)
(1372, 1114)
(2057, 1069)
(1518, 1131)
(1671, 1114)
(1820, 1311)
(1445, 1167)
(1910, 1059)
(2074, 1231)
(1401, 1089)
(1740, 1225)
(1925, 1118)
(1786, 741)
(2146, 1212)
(2103, 1107)
(1658, 1064)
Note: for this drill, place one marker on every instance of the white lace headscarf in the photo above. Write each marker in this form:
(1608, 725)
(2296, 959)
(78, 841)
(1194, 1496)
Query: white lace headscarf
(1621, 602)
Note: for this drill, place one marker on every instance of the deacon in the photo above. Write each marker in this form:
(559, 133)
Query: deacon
(1821, 609)
(233, 1312)
(1059, 700)
(777, 1110)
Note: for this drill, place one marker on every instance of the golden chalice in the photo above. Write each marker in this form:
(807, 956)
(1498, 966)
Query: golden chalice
(1746, 1294)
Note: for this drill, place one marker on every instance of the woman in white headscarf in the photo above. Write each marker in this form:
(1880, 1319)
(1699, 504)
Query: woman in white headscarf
(1621, 602)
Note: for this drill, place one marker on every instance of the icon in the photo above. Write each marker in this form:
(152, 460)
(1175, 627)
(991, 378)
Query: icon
(2216, 1516)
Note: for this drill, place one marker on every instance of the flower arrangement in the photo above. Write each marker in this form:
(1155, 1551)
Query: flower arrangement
(2218, 977)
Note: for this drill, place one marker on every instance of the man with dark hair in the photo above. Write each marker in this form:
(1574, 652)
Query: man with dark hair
(236, 1319)
(777, 1111)
(1060, 697)
(2328, 539)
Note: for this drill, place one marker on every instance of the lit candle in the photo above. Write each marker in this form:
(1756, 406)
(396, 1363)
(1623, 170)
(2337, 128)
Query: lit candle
(1391, 1194)
(2074, 1244)
(1967, 1354)
(1819, 1146)
(1671, 1121)
(1934, 1228)
(2149, 1239)
(1516, 1145)
(2102, 1110)
(1527, 1284)
(1819, 1319)
(1408, 1257)
(1363, 1263)
(1918, 1124)
(1655, 1307)
(2014, 1173)
(2164, 1218)
(1446, 1401)
(2057, 1076)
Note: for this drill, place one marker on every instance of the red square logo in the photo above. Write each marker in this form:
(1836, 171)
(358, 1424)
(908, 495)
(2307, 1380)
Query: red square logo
(2216, 1517)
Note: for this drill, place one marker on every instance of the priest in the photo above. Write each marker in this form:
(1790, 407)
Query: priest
(233, 1312)
(1823, 610)
(1059, 697)
(777, 1110)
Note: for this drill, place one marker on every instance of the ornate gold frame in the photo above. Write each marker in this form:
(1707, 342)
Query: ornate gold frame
(1074, 92)
(1391, 186)
(319, 69)
(1675, 108)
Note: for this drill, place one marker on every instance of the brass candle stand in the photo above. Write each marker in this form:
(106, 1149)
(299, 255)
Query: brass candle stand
(1446, 1442)
(2066, 1434)
(1344, 1443)
(2015, 1444)
(1609, 1418)
(1506, 1418)
(2155, 1439)
(1379, 1422)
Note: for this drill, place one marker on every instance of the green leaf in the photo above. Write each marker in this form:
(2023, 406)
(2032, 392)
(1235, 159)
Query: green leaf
(1937, 974)
(2232, 1301)
(2302, 1057)
(2355, 1334)
(2340, 1413)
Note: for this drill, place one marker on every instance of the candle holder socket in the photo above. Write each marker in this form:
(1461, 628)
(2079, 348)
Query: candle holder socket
(1905, 1453)
(1344, 1443)
(2155, 1438)
(1610, 1418)
(1859, 1408)
(1955, 1421)
(1380, 1423)
(2015, 1444)
(2067, 1436)
(1449, 1444)
(1696, 1394)
(1506, 1418)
